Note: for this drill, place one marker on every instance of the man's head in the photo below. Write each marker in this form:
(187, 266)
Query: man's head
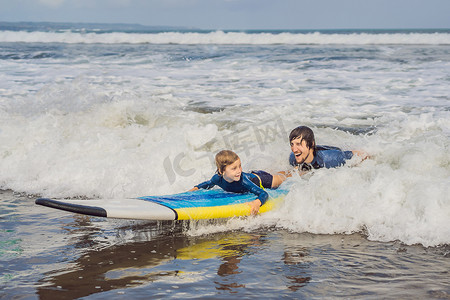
(302, 144)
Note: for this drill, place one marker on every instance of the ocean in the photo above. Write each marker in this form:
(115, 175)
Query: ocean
(121, 111)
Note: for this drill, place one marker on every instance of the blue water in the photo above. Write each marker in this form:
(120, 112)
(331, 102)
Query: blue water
(137, 28)
(102, 111)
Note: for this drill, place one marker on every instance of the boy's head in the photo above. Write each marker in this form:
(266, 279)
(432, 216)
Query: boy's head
(303, 133)
(225, 158)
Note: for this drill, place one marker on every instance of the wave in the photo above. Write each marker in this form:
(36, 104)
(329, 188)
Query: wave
(225, 38)
(125, 148)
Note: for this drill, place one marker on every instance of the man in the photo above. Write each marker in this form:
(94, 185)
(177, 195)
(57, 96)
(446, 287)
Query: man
(307, 155)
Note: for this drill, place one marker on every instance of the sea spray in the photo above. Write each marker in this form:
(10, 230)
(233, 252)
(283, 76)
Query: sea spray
(118, 116)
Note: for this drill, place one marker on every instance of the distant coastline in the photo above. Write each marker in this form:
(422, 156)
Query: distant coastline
(139, 28)
(46, 26)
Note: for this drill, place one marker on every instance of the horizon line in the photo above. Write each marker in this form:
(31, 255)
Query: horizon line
(142, 26)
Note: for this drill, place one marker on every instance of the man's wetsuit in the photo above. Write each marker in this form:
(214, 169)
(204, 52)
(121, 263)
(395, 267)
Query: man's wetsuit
(324, 157)
(244, 185)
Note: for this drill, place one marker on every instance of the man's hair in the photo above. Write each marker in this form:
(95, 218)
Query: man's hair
(225, 158)
(304, 133)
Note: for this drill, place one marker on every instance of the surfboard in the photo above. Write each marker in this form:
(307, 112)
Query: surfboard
(197, 205)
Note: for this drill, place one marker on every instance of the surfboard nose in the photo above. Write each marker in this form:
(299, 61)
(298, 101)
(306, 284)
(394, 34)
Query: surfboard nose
(75, 208)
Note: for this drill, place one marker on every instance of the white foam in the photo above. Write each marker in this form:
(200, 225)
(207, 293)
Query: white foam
(230, 38)
(109, 128)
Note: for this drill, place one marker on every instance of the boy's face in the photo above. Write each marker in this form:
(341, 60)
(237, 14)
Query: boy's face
(233, 172)
(300, 150)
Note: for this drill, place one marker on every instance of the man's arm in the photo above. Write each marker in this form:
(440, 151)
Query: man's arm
(363, 155)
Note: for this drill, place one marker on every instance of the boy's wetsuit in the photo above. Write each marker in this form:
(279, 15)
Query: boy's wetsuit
(324, 157)
(244, 185)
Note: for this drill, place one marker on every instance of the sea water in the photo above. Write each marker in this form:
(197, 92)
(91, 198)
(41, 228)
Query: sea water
(120, 113)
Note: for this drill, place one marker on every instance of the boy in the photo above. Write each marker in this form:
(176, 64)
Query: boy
(230, 177)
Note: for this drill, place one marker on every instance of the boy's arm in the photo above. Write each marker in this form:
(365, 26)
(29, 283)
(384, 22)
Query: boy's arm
(259, 192)
(205, 185)
(255, 205)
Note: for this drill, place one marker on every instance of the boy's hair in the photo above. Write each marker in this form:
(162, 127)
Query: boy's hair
(225, 158)
(304, 133)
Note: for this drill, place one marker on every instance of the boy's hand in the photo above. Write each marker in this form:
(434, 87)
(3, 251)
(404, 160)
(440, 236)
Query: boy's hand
(255, 205)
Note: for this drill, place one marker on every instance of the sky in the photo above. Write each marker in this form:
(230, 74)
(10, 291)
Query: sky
(237, 14)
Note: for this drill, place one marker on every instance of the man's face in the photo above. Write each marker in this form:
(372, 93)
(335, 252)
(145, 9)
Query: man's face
(300, 150)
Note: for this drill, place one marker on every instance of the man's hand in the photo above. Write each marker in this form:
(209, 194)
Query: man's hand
(362, 155)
